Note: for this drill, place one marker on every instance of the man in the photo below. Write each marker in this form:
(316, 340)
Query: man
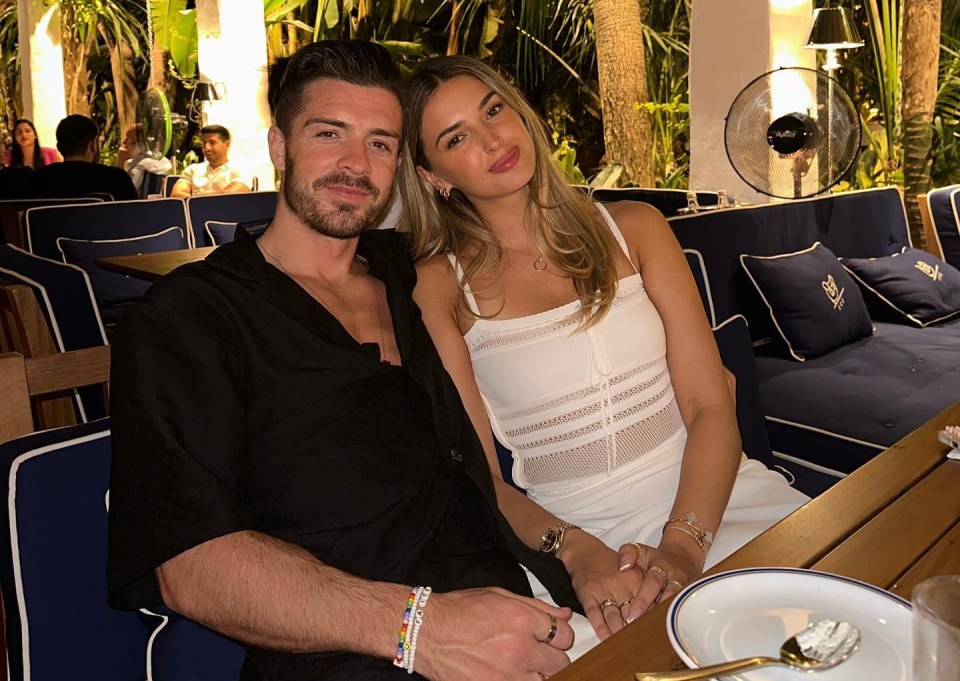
(80, 173)
(290, 457)
(215, 175)
(137, 163)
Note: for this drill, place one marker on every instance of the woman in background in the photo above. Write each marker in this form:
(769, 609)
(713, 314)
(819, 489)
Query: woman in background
(26, 152)
(576, 333)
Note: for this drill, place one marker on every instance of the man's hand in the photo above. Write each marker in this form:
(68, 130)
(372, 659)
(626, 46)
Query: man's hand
(598, 581)
(491, 635)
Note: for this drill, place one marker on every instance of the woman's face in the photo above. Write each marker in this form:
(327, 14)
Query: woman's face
(24, 134)
(474, 142)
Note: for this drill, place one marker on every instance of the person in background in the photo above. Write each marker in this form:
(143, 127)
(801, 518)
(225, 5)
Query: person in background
(80, 172)
(136, 162)
(215, 175)
(26, 152)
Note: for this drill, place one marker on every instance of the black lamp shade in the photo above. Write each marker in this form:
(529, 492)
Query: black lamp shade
(206, 92)
(833, 28)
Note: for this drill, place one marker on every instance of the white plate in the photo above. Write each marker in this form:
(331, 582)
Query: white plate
(751, 612)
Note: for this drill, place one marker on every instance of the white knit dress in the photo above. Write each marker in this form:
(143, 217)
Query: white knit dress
(593, 422)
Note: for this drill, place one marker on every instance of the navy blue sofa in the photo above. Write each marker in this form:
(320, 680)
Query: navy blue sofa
(828, 415)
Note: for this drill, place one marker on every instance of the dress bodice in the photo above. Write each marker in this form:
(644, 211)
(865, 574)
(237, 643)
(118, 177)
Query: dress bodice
(575, 405)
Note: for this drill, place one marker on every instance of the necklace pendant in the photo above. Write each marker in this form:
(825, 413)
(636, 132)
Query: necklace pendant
(540, 264)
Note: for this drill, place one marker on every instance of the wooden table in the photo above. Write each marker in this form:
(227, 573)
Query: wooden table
(152, 266)
(892, 523)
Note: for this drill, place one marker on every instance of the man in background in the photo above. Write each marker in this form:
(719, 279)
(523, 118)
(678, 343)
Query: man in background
(80, 173)
(215, 175)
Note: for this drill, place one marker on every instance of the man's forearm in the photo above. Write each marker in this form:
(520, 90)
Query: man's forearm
(271, 594)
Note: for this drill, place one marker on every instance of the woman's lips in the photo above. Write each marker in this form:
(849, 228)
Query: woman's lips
(505, 163)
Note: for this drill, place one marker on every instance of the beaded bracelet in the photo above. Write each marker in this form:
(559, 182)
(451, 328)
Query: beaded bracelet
(410, 628)
(415, 633)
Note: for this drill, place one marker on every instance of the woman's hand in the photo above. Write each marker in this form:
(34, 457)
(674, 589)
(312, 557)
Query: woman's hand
(603, 589)
(666, 569)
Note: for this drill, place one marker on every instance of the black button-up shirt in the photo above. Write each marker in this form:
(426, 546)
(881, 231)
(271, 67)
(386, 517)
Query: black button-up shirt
(240, 403)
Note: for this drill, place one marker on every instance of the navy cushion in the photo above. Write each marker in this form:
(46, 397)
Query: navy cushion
(814, 304)
(182, 650)
(916, 285)
(736, 352)
(840, 410)
(220, 232)
(109, 288)
(53, 561)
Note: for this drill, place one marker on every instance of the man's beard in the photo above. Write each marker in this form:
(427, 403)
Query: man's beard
(344, 221)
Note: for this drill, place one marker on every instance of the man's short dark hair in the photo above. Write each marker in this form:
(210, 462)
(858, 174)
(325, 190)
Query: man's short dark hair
(74, 134)
(216, 130)
(357, 62)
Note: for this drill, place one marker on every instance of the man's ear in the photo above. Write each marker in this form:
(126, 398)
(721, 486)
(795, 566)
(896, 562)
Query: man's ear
(277, 144)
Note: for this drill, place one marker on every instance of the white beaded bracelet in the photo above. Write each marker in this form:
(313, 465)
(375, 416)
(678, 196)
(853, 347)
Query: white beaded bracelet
(410, 656)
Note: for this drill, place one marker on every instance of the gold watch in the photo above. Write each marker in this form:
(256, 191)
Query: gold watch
(552, 539)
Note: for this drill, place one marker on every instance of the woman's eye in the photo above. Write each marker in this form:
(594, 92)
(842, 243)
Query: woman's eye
(454, 141)
(494, 110)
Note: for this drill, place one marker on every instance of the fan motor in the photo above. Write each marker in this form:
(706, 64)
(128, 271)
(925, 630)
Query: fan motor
(791, 133)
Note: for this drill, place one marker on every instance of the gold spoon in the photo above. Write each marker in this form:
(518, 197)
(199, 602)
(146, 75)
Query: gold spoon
(820, 646)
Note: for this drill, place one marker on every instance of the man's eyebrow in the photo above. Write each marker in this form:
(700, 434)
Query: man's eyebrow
(325, 121)
(337, 123)
(380, 132)
(483, 103)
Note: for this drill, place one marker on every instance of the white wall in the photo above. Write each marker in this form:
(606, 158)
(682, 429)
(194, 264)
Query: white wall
(732, 42)
(41, 67)
(233, 56)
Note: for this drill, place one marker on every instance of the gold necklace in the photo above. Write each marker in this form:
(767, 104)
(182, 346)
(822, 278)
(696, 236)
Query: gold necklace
(320, 299)
(540, 264)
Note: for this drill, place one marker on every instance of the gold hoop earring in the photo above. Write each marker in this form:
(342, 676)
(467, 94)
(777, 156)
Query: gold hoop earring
(444, 192)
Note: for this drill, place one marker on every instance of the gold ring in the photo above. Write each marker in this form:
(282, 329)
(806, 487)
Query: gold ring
(553, 629)
(607, 603)
(656, 568)
(626, 602)
(673, 581)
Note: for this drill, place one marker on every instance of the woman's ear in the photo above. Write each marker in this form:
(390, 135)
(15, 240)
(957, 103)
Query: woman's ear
(433, 180)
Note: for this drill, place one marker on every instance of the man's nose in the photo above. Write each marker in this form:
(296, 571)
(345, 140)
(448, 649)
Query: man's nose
(354, 157)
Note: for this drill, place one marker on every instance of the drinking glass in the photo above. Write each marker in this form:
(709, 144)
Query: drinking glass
(936, 629)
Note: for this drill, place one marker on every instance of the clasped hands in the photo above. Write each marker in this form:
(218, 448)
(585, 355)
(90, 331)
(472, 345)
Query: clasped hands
(615, 588)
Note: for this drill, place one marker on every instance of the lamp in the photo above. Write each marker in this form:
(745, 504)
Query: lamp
(833, 29)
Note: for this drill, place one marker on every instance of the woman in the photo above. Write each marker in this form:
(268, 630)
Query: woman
(26, 151)
(577, 334)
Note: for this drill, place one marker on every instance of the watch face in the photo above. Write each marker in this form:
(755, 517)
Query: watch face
(549, 541)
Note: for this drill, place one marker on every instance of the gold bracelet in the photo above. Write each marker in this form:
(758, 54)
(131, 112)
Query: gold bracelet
(696, 536)
(697, 531)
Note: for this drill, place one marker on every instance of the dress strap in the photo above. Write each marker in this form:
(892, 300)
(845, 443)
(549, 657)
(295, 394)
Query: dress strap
(617, 233)
(467, 293)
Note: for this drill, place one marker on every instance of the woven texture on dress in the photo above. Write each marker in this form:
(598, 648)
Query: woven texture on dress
(593, 431)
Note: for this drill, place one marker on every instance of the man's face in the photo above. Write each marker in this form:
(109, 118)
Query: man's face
(339, 156)
(214, 148)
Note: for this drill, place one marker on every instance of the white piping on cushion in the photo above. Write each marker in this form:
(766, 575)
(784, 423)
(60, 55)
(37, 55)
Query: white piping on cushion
(706, 284)
(153, 636)
(810, 466)
(828, 433)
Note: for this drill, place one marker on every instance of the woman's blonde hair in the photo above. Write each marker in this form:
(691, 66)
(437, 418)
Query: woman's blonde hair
(566, 227)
